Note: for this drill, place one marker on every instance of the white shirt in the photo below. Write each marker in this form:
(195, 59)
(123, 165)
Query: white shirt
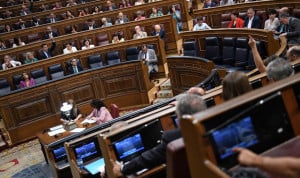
(84, 47)
(203, 26)
(66, 51)
(273, 25)
(13, 63)
(250, 22)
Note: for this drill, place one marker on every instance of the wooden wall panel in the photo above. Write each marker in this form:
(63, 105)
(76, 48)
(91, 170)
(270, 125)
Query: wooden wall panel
(125, 84)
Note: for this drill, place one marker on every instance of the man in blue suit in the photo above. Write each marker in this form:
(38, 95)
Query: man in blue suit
(252, 21)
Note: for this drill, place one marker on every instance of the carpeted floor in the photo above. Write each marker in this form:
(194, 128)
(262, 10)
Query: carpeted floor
(19, 159)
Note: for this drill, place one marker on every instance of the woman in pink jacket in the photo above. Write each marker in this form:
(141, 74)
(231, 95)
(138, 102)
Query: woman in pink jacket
(100, 114)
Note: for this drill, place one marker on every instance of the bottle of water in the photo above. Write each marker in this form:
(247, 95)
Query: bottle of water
(80, 162)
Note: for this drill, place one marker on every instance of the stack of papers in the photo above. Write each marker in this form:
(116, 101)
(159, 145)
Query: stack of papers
(89, 121)
(77, 130)
(57, 131)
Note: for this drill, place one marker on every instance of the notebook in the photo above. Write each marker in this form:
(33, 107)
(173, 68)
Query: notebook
(95, 166)
(240, 133)
(129, 146)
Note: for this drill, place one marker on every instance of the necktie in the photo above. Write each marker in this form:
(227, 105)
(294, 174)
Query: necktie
(46, 54)
(75, 69)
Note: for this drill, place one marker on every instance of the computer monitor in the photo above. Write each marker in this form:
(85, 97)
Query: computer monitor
(266, 121)
(87, 150)
(129, 147)
(59, 153)
(240, 133)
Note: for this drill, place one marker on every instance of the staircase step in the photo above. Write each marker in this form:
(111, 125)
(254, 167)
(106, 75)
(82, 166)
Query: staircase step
(164, 94)
(166, 85)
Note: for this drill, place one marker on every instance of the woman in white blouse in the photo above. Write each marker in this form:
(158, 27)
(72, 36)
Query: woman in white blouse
(87, 45)
(272, 23)
(200, 25)
(69, 49)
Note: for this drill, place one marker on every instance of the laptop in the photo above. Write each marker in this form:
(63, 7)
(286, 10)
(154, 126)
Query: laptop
(129, 147)
(95, 166)
(90, 153)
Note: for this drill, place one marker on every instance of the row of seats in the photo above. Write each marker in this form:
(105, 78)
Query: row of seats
(230, 52)
(56, 71)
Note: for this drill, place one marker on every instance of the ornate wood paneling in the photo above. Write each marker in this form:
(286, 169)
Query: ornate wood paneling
(125, 84)
(186, 72)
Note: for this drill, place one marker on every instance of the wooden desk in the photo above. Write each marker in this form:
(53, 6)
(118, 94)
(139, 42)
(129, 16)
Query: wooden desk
(45, 140)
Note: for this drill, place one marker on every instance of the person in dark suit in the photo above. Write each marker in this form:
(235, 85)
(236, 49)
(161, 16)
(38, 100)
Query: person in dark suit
(75, 67)
(21, 24)
(187, 104)
(89, 25)
(52, 18)
(24, 10)
(50, 33)
(293, 29)
(46, 52)
(159, 32)
(252, 21)
(110, 6)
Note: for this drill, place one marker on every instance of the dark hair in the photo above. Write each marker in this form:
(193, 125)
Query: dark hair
(42, 45)
(97, 103)
(16, 40)
(235, 84)
(200, 19)
(272, 11)
(235, 13)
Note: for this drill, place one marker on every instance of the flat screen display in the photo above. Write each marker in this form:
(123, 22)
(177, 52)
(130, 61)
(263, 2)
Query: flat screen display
(237, 134)
(87, 151)
(59, 153)
(129, 146)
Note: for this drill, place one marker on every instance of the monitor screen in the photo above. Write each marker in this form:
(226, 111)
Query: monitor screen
(236, 134)
(59, 154)
(129, 146)
(87, 151)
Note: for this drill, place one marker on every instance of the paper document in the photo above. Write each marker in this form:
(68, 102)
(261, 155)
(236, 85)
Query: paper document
(77, 130)
(90, 121)
(57, 131)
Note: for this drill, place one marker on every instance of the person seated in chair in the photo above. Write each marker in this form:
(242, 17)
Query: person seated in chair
(87, 45)
(75, 113)
(139, 33)
(69, 48)
(52, 18)
(252, 20)
(26, 81)
(159, 32)
(90, 25)
(50, 33)
(201, 25)
(148, 56)
(46, 52)
(30, 58)
(100, 114)
(105, 23)
(75, 67)
(9, 63)
(121, 19)
(187, 104)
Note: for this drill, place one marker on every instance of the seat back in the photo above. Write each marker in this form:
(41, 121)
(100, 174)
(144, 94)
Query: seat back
(39, 76)
(241, 52)
(225, 20)
(212, 49)
(102, 39)
(113, 57)
(228, 51)
(191, 48)
(95, 61)
(4, 87)
(56, 71)
(16, 80)
(114, 110)
(33, 37)
(178, 166)
(132, 53)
